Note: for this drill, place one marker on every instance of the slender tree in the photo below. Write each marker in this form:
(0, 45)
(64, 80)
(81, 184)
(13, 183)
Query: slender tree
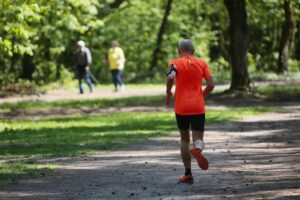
(297, 41)
(297, 34)
(28, 67)
(286, 37)
(238, 31)
(160, 34)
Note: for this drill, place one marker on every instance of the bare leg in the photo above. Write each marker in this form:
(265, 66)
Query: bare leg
(197, 135)
(198, 148)
(185, 148)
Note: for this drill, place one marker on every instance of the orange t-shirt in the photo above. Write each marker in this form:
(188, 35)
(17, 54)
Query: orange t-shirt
(189, 99)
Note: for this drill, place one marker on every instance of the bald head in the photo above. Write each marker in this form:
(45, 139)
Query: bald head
(186, 46)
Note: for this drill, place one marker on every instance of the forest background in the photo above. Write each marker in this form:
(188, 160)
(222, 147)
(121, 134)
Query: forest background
(38, 38)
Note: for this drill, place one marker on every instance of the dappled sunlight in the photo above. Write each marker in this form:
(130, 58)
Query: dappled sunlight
(26, 195)
(243, 164)
(246, 157)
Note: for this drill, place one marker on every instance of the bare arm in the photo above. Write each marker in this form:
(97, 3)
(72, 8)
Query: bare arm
(170, 81)
(209, 86)
(170, 78)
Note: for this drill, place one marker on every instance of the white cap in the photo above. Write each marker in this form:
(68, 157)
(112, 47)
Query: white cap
(81, 43)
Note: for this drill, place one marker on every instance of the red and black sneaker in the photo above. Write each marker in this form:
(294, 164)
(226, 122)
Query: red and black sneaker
(186, 179)
(202, 161)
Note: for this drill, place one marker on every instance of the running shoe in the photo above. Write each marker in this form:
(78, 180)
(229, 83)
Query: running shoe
(186, 179)
(202, 161)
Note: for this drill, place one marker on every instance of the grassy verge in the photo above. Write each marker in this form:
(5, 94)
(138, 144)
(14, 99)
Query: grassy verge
(11, 171)
(281, 92)
(92, 103)
(275, 92)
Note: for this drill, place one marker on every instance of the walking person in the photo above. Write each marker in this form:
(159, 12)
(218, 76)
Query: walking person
(83, 60)
(189, 72)
(116, 61)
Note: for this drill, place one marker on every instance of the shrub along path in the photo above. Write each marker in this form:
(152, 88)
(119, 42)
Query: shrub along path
(258, 157)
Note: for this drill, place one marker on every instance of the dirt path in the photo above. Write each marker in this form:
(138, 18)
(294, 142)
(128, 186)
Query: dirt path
(99, 92)
(104, 91)
(255, 158)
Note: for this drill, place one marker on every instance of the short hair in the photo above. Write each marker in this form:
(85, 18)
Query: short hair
(81, 43)
(115, 42)
(186, 45)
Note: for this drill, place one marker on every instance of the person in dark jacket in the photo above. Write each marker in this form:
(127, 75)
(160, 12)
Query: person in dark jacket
(83, 63)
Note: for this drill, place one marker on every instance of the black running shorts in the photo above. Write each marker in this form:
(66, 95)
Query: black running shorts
(196, 122)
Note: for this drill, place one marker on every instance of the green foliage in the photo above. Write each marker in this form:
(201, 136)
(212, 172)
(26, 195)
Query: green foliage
(266, 19)
(44, 29)
(48, 31)
(294, 65)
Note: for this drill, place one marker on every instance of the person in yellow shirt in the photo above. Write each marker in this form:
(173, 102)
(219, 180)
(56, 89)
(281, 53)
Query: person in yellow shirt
(116, 60)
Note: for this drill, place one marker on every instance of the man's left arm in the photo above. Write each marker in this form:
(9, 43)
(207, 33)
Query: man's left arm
(170, 81)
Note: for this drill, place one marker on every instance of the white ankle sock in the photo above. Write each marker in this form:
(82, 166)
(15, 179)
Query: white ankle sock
(199, 144)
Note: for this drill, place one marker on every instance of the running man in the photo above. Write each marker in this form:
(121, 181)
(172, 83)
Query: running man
(189, 103)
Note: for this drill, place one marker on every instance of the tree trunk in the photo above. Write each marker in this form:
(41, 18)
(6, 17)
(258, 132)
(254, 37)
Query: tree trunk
(239, 40)
(221, 48)
(215, 49)
(297, 41)
(160, 34)
(286, 38)
(116, 3)
(28, 67)
(2, 65)
(13, 62)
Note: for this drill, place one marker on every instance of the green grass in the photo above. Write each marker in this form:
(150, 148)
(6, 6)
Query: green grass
(13, 170)
(275, 89)
(281, 92)
(72, 85)
(272, 76)
(77, 135)
(93, 103)
(70, 136)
